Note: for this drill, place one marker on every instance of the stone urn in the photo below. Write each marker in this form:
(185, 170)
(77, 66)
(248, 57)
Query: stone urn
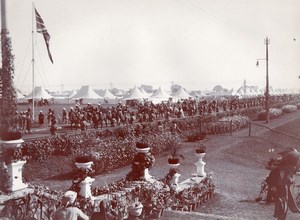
(173, 162)
(85, 165)
(144, 150)
(14, 168)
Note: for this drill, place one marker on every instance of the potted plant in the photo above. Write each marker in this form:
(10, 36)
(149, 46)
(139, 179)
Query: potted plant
(173, 160)
(11, 135)
(142, 147)
(84, 161)
(201, 149)
(11, 139)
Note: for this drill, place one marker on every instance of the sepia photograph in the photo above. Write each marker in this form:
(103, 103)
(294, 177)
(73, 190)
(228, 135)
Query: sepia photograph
(150, 109)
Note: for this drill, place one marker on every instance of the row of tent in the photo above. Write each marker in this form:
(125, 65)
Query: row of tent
(87, 95)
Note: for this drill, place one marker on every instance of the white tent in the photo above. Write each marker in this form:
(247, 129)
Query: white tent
(39, 93)
(87, 95)
(247, 91)
(136, 94)
(146, 95)
(108, 97)
(20, 97)
(180, 94)
(159, 96)
(72, 93)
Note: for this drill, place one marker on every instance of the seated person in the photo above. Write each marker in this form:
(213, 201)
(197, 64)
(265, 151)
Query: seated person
(68, 211)
(104, 213)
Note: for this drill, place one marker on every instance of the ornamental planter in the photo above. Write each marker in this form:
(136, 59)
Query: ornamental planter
(14, 168)
(142, 150)
(11, 144)
(86, 165)
(142, 147)
(142, 161)
(173, 162)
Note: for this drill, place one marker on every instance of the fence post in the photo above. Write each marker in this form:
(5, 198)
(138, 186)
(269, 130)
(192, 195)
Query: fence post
(200, 125)
(250, 125)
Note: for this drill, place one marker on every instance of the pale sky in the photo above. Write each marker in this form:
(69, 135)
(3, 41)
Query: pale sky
(194, 43)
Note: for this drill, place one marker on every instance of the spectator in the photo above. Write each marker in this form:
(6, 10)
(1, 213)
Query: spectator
(64, 116)
(280, 179)
(68, 211)
(104, 213)
(28, 122)
(41, 118)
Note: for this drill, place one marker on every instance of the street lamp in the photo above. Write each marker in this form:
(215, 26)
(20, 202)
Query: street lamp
(267, 95)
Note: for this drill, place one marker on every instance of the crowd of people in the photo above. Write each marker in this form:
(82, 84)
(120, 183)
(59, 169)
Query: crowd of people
(98, 116)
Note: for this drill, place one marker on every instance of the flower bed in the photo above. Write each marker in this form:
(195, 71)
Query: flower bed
(237, 121)
(273, 113)
(289, 108)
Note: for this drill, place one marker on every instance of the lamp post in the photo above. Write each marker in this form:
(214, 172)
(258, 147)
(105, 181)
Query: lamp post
(267, 95)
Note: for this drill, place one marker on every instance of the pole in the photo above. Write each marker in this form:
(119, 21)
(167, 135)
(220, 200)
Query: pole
(267, 42)
(3, 17)
(4, 30)
(33, 95)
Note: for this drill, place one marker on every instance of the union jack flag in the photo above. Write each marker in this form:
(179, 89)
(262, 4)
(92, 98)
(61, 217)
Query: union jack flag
(41, 28)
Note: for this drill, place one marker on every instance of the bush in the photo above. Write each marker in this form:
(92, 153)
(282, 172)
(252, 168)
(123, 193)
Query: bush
(195, 136)
(289, 108)
(298, 106)
(273, 113)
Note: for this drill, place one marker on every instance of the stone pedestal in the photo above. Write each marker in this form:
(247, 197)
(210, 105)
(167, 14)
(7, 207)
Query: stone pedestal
(14, 169)
(85, 187)
(200, 165)
(147, 175)
(175, 181)
(15, 176)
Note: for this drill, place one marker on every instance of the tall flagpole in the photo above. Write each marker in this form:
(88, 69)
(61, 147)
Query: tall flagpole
(33, 95)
